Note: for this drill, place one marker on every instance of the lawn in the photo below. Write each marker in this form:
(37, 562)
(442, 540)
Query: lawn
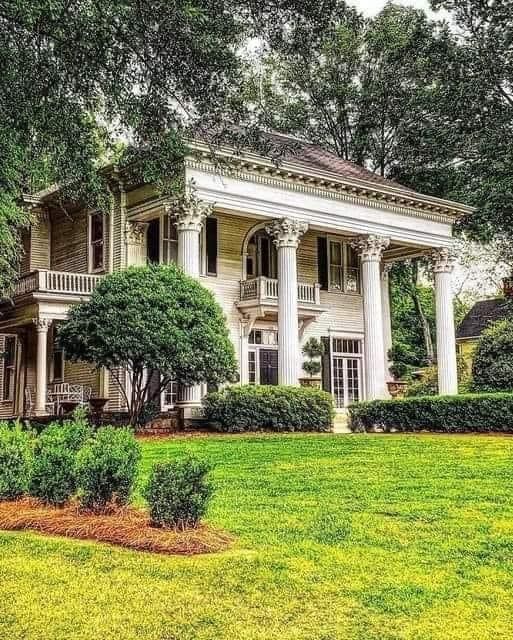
(337, 537)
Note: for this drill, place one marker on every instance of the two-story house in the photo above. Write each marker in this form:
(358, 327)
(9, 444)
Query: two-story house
(291, 250)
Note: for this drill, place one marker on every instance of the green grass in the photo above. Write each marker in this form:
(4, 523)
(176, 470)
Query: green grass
(358, 537)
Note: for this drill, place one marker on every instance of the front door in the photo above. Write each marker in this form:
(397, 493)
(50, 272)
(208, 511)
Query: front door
(268, 366)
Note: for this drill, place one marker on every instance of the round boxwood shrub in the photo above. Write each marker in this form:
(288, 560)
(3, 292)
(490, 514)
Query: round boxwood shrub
(15, 461)
(277, 408)
(107, 468)
(54, 474)
(492, 367)
(178, 492)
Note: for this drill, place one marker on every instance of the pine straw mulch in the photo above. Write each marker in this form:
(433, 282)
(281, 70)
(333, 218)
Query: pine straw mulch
(127, 527)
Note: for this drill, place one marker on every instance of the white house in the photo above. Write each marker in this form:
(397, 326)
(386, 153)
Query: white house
(291, 250)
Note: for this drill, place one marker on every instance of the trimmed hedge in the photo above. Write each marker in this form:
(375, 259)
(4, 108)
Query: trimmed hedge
(253, 407)
(15, 460)
(490, 412)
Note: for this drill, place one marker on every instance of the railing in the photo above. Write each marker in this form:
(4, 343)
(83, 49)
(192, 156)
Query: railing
(45, 281)
(265, 289)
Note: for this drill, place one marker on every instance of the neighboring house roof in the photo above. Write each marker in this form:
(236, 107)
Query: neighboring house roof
(482, 314)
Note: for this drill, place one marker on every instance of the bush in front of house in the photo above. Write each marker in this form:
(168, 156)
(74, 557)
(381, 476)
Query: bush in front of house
(107, 468)
(54, 474)
(178, 492)
(492, 365)
(277, 408)
(15, 460)
(450, 414)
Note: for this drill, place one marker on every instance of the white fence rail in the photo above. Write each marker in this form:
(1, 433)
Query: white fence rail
(44, 281)
(263, 289)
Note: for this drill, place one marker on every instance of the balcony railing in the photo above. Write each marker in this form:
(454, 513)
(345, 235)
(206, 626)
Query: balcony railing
(44, 281)
(266, 289)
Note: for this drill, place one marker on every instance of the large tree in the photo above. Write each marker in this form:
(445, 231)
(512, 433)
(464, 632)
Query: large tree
(158, 325)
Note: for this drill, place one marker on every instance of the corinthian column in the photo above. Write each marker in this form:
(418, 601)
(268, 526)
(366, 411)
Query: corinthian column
(287, 234)
(387, 319)
(442, 263)
(42, 326)
(189, 213)
(370, 249)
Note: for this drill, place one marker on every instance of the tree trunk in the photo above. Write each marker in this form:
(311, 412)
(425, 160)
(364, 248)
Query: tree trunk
(426, 329)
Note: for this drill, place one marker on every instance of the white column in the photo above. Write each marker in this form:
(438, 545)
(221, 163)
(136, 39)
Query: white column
(244, 349)
(370, 249)
(442, 262)
(387, 318)
(287, 234)
(135, 240)
(42, 326)
(189, 214)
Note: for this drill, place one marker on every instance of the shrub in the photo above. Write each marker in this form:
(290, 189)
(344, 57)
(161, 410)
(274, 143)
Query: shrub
(253, 407)
(107, 468)
(178, 493)
(15, 461)
(451, 414)
(492, 366)
(54, 475)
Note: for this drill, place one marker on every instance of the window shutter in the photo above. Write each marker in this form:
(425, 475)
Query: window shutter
(211, 245)
(326, 365)
(322, 262)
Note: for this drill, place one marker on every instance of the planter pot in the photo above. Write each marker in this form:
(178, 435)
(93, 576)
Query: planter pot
(315, 383)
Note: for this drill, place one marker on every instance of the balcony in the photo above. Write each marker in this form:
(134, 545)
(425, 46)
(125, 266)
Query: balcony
(60, 283)
(259, 298)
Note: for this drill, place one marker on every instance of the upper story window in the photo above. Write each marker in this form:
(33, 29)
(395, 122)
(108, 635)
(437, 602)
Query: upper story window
(9, 366)
(338, 266)
(209, 247)
(261, 257)
(96, 242)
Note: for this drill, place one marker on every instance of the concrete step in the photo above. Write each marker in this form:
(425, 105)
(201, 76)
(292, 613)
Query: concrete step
(341, 421)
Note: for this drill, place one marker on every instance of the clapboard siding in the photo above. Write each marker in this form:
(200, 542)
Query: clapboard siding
(40, 242)
(69, 242)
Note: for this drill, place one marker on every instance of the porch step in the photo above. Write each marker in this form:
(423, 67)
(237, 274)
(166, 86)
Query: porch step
(341, 421)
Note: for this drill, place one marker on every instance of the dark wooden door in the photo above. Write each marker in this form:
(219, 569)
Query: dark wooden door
(268, 366)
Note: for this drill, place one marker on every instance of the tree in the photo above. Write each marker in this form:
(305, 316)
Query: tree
(492, 366)
(313, 349)
(157, 324)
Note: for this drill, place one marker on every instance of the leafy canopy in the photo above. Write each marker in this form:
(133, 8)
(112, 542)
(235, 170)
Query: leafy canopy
(151, 320)
(492, 366)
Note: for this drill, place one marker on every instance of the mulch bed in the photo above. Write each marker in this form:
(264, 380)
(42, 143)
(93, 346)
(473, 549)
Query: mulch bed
(127, 527)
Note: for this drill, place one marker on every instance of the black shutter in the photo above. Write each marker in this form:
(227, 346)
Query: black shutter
(322, 262)
(326, 365)
(211, 242)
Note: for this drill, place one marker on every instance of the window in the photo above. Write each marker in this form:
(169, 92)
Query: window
(338, 266)
(96, 242)
(57, 365)
(252, 367)
(169, 251)
(169, 395)
(262, 257)
(346, 365)
(267, 337)
(9, 367)
(209, 241)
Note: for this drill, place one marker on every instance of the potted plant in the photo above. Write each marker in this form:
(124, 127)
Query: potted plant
(313, 349)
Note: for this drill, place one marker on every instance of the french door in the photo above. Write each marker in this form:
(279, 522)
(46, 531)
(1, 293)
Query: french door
(346, 380)
(268, 366)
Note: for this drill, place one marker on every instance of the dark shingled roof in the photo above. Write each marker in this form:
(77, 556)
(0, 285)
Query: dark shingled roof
(482, 314)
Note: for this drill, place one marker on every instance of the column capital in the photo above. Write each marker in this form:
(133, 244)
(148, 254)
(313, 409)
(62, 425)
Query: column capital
(286, 232)
(370, 248)
(189, 212)
(442, 260)
(42, 324)
(135, 231)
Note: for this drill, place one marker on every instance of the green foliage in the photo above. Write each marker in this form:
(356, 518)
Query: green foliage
(148, 320)
(107, 468)
(426, 384)
(54, 475)
(492, 366)
(178, 492)
(254, 407)
(451, 414)
(313, 349)
(15, 461)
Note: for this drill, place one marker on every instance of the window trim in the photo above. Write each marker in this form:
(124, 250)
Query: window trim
(344, 245)
(12, 368)
(90, 252)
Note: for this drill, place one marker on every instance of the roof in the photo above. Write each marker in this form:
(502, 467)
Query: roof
(311, 155)
(482, 314)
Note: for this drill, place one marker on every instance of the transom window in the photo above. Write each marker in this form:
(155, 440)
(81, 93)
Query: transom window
(267, 337)
(344, 270)
(96, 242)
